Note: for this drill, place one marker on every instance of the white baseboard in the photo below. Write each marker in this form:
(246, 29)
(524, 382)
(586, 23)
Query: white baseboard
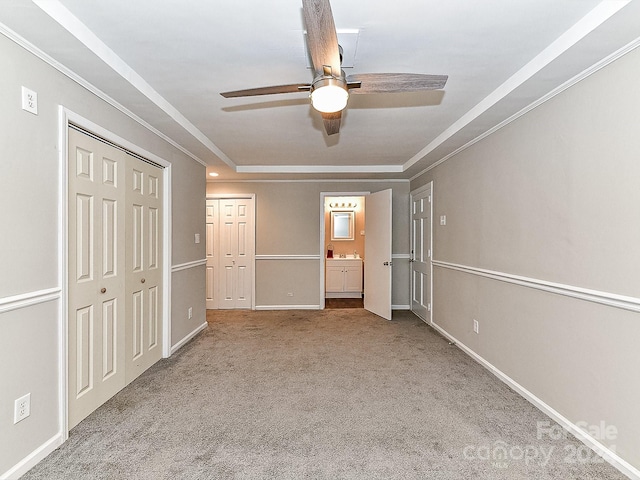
(30, 461)
(605, 452)
(400, 307)
(189, 336)
(343, 295)
(287, 307)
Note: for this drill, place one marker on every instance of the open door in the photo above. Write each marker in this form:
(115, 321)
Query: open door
(377, 267)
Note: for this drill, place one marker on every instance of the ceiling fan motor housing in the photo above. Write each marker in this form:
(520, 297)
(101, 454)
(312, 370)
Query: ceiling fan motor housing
(329, 93)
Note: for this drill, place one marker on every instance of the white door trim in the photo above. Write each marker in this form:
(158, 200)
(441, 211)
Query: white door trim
(323, 254)
(65, 117)
(424, 188)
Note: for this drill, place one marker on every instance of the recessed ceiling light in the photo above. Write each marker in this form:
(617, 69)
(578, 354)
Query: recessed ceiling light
(213, 174)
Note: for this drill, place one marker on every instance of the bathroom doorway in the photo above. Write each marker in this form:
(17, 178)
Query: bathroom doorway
(339, 268)
(344, 243)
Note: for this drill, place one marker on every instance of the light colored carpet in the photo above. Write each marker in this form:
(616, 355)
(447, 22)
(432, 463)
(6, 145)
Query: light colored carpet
(333, 394)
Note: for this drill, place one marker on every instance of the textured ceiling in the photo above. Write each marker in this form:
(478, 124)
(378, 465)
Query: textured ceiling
(167, 61)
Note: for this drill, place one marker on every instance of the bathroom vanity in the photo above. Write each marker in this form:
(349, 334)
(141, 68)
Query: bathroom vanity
(343, 277)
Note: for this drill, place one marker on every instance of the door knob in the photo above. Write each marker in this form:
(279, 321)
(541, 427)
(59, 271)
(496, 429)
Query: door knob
(142, 281)
(103, 290)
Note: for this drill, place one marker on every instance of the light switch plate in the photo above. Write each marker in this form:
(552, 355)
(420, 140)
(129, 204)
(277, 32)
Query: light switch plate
(197, 238)
(29, 101)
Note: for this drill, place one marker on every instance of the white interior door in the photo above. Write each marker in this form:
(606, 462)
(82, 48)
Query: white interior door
(377, 267)
(96, 327)
(143, 267)
(421, 225)
(236, 253)
(212, 254)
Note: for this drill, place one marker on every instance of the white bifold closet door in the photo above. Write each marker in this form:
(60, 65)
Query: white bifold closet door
(230, 252)
(143, 280)
(115, 271)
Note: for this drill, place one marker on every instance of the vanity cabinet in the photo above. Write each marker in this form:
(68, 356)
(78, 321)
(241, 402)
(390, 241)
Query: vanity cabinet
(343, 278)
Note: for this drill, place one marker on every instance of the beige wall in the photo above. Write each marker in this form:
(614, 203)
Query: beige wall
(288, 223)
(553, 197)
(188, 291)
(30, 289)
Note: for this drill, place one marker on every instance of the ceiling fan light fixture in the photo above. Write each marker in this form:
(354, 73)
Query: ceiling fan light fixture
(329, 95)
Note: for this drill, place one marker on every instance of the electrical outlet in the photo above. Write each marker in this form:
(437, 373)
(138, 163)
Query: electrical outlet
(476, 326)
(443, 219)
(29, 101)
(22, 408)
(197, 237)
(190, 312)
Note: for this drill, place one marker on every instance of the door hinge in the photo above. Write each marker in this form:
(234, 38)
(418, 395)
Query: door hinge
(428, 307)
(429, 253)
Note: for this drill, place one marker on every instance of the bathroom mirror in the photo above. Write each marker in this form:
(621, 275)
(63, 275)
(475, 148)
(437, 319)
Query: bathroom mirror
(342, 225)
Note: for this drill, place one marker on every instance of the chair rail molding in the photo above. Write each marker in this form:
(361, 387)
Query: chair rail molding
(596, 296)
(29, 299)
(287, 257)
(187, 265)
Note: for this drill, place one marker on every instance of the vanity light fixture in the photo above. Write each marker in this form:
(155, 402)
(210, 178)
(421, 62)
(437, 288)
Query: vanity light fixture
(343, 205)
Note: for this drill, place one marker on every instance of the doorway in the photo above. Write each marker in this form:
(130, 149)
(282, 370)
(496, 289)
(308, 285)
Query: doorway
(344, 241)
(340, 267)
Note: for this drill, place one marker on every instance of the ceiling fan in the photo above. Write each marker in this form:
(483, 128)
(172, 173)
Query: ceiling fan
(330, 88)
